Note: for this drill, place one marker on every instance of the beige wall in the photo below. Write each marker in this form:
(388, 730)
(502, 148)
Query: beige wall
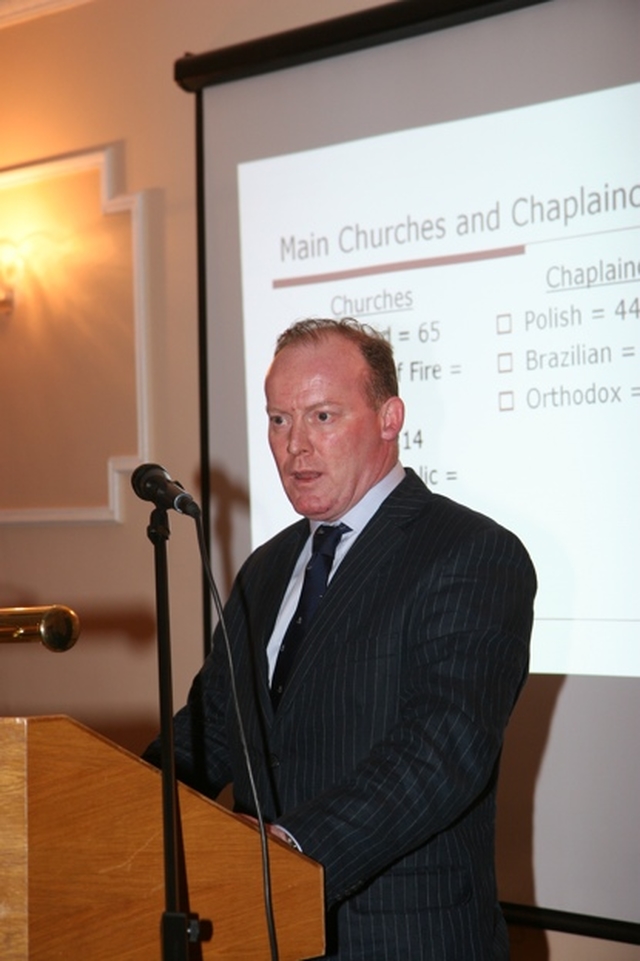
(94, 75)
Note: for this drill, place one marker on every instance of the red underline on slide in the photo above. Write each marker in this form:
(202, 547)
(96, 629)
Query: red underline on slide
(399, 265)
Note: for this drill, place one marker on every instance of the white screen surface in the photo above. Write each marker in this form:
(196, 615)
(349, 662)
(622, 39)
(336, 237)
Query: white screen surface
(568, 831)
(500, 254)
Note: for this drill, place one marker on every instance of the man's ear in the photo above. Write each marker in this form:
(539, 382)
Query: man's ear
(392, 418)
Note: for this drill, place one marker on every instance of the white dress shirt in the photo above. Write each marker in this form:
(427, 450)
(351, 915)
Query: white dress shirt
(356, 519)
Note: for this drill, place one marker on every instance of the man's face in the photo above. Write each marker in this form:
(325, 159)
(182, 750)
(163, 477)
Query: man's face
(329, 444)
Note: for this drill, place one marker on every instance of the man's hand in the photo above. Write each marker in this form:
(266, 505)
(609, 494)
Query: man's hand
(273, 830)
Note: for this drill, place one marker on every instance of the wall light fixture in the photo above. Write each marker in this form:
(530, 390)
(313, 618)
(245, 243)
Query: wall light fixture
(11, 263)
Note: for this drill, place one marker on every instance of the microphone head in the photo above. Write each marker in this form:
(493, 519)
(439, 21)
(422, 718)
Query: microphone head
(151, 482)
(148, 480)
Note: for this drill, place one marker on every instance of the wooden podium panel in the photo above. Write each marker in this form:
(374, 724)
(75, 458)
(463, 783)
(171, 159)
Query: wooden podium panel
(81, 859)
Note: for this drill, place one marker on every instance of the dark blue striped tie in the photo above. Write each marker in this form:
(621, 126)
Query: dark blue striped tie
(316, 575)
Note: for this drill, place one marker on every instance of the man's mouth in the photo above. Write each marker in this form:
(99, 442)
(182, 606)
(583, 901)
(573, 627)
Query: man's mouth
(305, 476)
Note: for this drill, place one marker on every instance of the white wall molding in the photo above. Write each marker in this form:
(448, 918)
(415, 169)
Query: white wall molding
(106, 160)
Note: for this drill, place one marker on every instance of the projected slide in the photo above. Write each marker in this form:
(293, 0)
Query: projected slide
(501, 256)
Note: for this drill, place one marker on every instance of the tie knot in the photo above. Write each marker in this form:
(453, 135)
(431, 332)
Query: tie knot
(327, 537)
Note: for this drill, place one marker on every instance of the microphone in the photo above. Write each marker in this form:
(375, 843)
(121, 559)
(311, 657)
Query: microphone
(151, 482)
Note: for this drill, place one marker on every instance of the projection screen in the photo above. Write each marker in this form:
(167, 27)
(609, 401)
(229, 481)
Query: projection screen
(474, 192)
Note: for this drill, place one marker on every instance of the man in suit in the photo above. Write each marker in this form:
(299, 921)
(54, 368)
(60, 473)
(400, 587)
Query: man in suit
(377, 753)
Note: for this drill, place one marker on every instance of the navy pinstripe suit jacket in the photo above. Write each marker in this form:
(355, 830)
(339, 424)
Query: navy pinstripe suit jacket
(382, 758)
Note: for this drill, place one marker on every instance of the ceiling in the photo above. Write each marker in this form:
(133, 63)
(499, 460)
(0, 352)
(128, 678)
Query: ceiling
(18, 11)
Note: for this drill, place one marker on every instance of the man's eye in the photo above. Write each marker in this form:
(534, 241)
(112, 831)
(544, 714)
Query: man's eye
(276, 420)
(324, 415)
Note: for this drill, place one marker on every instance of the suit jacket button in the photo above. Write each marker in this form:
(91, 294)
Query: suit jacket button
(274, 760)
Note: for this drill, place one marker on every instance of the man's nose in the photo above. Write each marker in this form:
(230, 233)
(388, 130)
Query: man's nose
(298, 441)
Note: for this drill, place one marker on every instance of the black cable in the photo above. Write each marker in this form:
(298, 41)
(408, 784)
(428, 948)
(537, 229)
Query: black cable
(266, 871)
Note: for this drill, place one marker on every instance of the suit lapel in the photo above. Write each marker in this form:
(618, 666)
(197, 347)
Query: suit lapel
(275, 573)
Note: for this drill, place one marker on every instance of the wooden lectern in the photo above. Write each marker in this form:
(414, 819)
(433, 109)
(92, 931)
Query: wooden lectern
(81, 859)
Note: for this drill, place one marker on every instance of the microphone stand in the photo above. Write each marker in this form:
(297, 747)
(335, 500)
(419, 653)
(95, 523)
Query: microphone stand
(178, 929)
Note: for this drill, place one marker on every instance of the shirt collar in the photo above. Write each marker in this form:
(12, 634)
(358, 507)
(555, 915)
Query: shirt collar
(358, 516)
